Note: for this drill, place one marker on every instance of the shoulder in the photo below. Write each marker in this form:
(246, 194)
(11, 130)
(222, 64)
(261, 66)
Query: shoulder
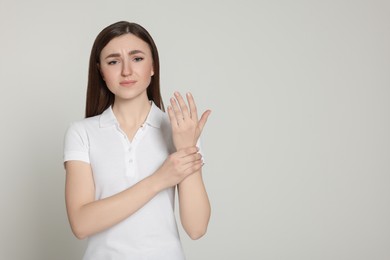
(79, 129)
(158, 118)
(165, 122)
(86, 123)
(77, 139)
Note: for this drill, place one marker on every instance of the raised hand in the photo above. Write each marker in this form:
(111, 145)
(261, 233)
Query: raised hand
(186, 128)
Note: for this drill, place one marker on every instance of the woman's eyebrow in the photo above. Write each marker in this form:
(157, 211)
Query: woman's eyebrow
(116, 55)
(136, 52)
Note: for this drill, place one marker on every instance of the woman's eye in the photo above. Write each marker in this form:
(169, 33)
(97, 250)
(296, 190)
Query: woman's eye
(138, 59)
(113, 62)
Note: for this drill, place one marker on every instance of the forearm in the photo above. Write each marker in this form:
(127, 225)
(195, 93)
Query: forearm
(194, 205)
(99, 215)
(193, 200)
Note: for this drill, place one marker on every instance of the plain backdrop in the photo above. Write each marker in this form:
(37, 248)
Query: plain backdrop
(297, 145)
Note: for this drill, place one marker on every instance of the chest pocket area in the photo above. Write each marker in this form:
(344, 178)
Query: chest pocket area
(108, 166)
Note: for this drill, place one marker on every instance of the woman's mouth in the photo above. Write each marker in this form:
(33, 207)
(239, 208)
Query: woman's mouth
(127, 83)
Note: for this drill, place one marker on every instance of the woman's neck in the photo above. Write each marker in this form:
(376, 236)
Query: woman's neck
(131, 113)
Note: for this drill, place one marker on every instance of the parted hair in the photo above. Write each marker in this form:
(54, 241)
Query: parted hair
(99, 97)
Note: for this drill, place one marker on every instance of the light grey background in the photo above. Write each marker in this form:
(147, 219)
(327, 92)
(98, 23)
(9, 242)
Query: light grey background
(297, 146)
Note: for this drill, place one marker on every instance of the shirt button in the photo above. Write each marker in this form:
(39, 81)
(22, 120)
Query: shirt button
(131, 161)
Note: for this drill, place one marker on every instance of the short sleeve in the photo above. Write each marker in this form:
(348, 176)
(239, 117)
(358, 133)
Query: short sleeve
(76, 145)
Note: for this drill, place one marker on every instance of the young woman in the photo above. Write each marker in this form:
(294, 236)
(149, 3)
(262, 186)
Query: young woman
(124, 160)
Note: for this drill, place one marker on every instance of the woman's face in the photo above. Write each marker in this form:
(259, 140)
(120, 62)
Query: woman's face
(126, 65)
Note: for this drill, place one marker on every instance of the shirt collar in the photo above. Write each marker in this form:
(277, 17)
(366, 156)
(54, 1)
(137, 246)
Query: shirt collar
(154, 118)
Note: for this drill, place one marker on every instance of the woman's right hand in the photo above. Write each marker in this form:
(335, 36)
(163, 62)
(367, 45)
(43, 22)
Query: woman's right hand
(178, 166)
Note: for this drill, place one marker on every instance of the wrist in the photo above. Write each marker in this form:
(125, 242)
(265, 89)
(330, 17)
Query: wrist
(178, 148)
(156, 182)
(184, 145)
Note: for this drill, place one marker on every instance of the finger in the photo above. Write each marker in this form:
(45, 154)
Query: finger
(193, 167)
(193, 110)
(203, 119)
(172, 116)
(192, 158)
(183, 105)
(177, 111)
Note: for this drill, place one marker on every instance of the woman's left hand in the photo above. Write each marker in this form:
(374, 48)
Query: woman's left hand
(186, 128)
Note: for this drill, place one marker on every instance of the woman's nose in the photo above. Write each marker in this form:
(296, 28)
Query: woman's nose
(126, 68)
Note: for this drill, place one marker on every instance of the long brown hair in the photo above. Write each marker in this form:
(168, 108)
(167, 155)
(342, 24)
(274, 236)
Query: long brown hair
(99, 97)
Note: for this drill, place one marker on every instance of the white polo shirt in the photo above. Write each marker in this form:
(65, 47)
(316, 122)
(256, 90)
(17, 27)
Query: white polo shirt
(117, 164)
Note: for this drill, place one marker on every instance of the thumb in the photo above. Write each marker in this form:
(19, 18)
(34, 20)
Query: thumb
(203, 119)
